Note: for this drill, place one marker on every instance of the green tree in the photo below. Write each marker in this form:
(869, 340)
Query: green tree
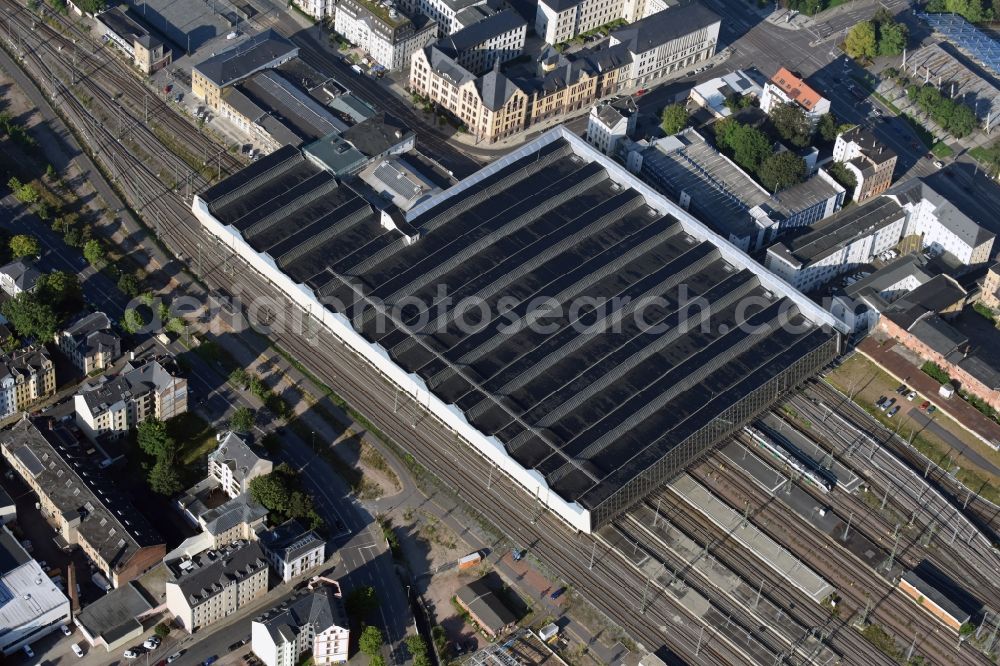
(418, 648)
(152, 437)
(962, 121)
(241, 420)
(376, 660)
(93, 252)
(62, 291)
(371, 641)
(73, 237)
(164, 479)
(9, 344)
(132, 322)
(892, 38)
(361, 602)
(31, 317)
(791, 124)
(23, 192)
(22, 245)
(92, 6)
(162, 630)
(828, 128)
(748, 146)
(239, 377)
(129, 284)
(861, 41)
(674, 118)
(840, 174)
(782, 170)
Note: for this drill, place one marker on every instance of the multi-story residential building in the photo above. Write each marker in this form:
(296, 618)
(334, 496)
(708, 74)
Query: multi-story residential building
(235, 519)
(122, 28)
(81, 499)
(262, 51)
(871, 161)
(313, 624)
(318, 9)
(451, 15)
(234, 464)
(31, 606)
(787, 88)
(557, 21)
(385, 33)
(26, 376)
(989, 293)
(942, 227)
(18, 277)
(90, 343)
(497, 37)
(143, 389)
(292, 549)
(862, 303)
(667, 41)
(212, 585)
(712, 187)
(610, 123)
(841, 244)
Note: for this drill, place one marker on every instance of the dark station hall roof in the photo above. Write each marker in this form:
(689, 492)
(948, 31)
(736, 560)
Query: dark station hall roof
(589, 397)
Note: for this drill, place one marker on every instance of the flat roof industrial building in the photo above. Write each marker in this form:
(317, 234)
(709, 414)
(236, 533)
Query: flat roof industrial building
(588, 407)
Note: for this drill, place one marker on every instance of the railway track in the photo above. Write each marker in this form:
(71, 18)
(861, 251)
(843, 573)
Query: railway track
(854, 581)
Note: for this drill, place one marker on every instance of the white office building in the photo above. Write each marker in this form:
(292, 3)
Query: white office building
(234, 464)
(610, 123)
(292, 550)
(389, 36)
(557, 21)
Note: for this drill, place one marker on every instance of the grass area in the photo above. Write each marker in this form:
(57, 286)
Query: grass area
(859, 371)
(985, 312)
(885, 102)
(988, 157)
(383, 13)
(195, 436)
(883, 640)
(942, 149)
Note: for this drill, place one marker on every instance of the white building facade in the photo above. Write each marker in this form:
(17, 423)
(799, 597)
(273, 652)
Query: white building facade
(314, 623)
(390, 40)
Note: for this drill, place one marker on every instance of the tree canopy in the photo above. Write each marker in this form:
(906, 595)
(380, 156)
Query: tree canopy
(828, 128)
(361, 602)
(23, 245)
(782, 170)
(62, 290)
(31, 316)
(153, 439)
(746, 145)
(791, 124)
(861, 41)
(371, 641)
(132, 322)
(280, 492)
(241, 420)
(418, 648)
(956, 118)
(93, 252)
(973, 10)
(164, 479)
(674, 118)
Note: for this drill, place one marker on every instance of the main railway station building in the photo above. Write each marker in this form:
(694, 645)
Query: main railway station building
(596, 339)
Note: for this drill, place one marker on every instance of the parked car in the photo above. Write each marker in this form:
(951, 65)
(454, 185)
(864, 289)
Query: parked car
(887, 404)
(924, 405)
(881, 400)
(77, 650)
(902, 389)
(558, 593)
(939, 164)
(66, 630)
(131, 654)
(28, 651)
(893, 411)
(911, 395)
(211, 660)
(151, 643)
(175, 656)
(931, 409)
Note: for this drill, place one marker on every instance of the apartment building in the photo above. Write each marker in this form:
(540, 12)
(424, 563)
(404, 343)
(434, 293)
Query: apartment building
(90, 342)
(313, 624)
(989, 294)
(451, 15)
(31, 606)
(386, 34)
(610, 123)
(292, 549)
(81, 500)
(871, 161)
(787, 88)
(18, 277)
(667, 41)
(142, 389)
(497, 37)
(557, 21)
(944, 230)
(841, 244)
(234, 464)
(26, 376)
(212, 585)
(262, 51)
(125, 30)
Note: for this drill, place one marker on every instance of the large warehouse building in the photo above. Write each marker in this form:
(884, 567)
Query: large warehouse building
(589, 407)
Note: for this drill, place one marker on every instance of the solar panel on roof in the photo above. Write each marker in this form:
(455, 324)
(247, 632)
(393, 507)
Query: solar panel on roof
(967, 37)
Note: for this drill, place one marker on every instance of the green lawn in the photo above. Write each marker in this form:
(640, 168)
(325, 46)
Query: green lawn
(194, 435)
(942, 149)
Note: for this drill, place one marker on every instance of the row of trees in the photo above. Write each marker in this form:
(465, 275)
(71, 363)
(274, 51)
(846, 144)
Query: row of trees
(881, 36)
(956, 118)
(976, 11)
(280, 492)
(751, 149)
(153, 438)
